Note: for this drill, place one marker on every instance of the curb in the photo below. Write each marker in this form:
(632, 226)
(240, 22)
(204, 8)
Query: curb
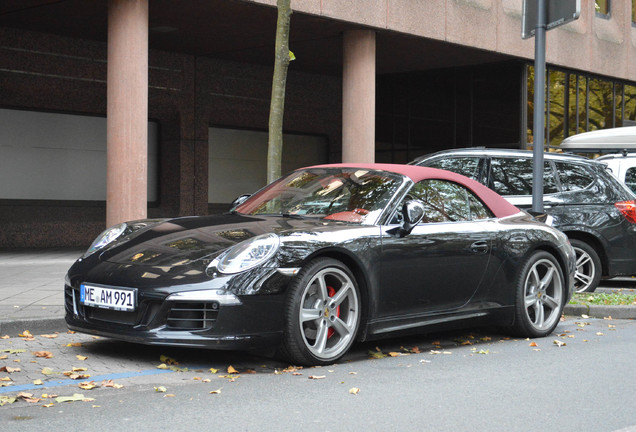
(35, 326)
(599, 311)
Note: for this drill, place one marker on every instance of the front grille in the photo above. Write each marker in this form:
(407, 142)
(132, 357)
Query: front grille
(114, 316)
(192, 315)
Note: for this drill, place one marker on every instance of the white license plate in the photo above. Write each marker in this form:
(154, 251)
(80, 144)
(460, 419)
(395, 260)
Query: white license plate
(122, 299)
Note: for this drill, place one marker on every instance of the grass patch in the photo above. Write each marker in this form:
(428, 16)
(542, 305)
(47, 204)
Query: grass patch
(607, 299)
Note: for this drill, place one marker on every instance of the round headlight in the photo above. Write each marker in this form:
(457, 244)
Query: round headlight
(248, 254)
(111, 234)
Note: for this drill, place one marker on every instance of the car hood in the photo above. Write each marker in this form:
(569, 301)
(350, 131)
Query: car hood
(182, 241)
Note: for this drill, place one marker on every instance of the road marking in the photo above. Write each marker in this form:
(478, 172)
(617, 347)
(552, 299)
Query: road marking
(67, 382)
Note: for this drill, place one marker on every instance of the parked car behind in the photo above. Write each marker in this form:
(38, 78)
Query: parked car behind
(623, 166)
(615, 141)
(596, 211)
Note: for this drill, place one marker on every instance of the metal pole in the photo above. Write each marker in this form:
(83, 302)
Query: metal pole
(539, 107)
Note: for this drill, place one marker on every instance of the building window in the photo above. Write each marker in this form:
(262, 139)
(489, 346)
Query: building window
(578, 103)
(633, 12)
(602, 8)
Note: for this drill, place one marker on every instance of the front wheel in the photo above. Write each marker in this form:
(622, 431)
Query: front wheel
(322, 313)
(540, 296)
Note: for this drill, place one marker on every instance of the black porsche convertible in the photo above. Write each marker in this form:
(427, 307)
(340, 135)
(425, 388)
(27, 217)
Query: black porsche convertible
(323, 257)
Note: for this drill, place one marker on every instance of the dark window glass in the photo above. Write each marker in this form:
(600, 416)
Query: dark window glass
(448, 202)
(573, 177)
(602, 7)
(556, 99)
(467, 166)
(629, 115)
(633, 11)
(477, 209)
(630, 179)
(601, 104)
(513, 176)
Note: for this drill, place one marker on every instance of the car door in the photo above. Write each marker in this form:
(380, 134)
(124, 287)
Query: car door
(441, 263)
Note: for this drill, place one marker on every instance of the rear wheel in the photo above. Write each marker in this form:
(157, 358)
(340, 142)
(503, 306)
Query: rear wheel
(322, 313)
(540, 296)
(588, 267)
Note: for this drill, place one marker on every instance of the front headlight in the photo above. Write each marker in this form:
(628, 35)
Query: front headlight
(247, 254)
(111, 234)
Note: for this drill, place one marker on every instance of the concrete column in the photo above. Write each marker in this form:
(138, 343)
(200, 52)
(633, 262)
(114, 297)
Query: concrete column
(358, 96)
(127, 111)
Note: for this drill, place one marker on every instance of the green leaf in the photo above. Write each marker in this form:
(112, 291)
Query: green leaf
(77, 397)
(292, 57)
(7, 400)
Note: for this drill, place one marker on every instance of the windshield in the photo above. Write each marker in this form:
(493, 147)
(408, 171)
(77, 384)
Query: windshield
(344, 194)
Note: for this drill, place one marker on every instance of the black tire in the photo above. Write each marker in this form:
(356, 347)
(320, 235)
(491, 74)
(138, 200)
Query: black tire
(322, 314)
(588, 267)
(540, 296)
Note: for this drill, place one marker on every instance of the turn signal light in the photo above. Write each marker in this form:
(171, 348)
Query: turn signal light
(628, 209)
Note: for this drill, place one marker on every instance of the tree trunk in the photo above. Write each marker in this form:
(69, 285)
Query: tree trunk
(277, 104)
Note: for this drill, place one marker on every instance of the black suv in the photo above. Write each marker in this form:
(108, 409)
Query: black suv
(591, 206)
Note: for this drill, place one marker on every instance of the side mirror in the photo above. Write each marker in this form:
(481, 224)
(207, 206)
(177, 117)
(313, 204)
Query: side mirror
(412, 214)
(238, 201)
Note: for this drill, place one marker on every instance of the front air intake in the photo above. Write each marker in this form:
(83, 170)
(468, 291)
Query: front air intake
(192, 315)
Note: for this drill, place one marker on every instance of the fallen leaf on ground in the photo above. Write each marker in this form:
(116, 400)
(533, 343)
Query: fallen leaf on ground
(74, 344)
(533, 344)
(559, 343)
(161, 389)
(5, 337)
(8, 369)
(218, 391)
(79, 369)
(49, 336)
(168, 395)
(77, 397)
(38, 382)
(43, 354)
(354, 390)
(111, 383)
(87, 385)
(13, 351)
(3, 357)
(7, 400)
(376, 354)
(317, 377)
(231, 370)
(47, 371)
(167, 360)
(81, 357)
(25, 334)
(599, 334)
(213, 370)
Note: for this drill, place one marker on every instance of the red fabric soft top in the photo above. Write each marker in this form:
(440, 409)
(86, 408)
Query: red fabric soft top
(495, 202)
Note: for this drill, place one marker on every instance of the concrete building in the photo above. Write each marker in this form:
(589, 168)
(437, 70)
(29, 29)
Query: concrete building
(121, 109)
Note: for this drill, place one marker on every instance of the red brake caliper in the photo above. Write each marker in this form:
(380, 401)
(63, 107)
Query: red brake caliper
(332, 292)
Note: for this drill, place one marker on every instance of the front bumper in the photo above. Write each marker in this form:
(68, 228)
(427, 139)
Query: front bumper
(255, 321)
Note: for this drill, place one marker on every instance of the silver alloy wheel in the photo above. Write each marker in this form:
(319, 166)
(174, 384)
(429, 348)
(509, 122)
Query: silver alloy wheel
(585, 270)
(543, 291)
(329, 313)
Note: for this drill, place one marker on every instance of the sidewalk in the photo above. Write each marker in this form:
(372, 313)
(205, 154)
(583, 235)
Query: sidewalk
(32, 292)
(32, 289)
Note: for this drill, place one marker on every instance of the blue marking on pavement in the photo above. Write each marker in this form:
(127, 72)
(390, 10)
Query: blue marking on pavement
(67, 382)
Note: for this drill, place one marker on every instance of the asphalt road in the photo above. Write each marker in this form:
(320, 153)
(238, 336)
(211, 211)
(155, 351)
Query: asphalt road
(465, 381)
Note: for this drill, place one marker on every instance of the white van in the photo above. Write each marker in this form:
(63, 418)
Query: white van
(618, 142)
